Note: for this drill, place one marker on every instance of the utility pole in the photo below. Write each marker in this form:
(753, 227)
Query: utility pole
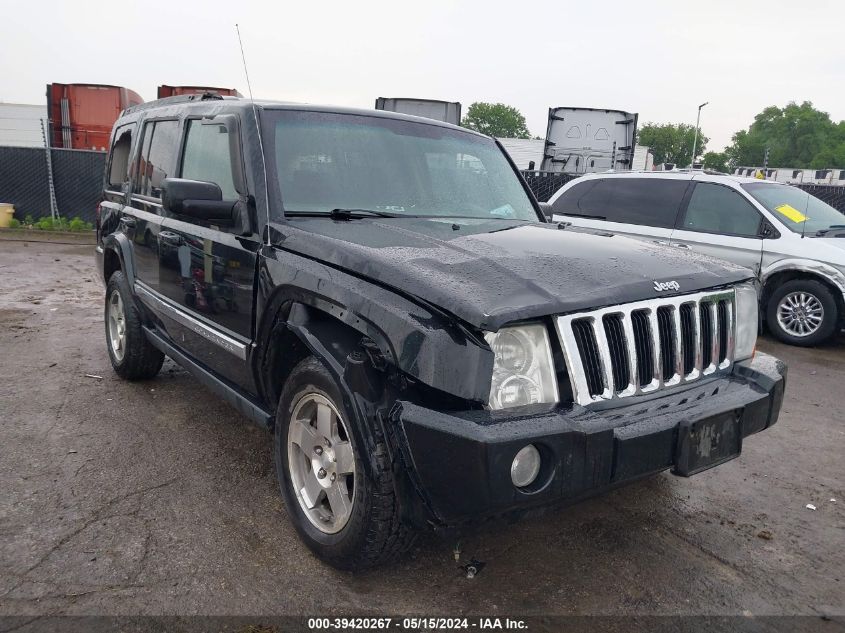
(695, 138)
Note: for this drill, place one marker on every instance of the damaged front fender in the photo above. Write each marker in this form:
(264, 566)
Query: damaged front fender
(418, 340)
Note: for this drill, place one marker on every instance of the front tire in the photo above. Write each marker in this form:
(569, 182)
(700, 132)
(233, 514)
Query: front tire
(132, 356)
(347, 516)
(802, 312)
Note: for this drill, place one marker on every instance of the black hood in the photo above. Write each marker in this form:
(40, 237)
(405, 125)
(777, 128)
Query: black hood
(491, 272)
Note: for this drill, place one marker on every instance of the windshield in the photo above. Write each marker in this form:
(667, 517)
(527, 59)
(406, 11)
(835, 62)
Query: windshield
(326, 161)
(796, 209)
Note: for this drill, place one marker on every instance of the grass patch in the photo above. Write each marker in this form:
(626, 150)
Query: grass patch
(73, 225)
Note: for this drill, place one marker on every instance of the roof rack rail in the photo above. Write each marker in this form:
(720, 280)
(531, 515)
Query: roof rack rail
(205, 96)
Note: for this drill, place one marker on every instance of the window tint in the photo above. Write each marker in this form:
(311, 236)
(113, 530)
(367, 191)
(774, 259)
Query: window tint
(717, 209)
(119, 157)
(643, 201)
(207, 157)
(158, 157)
(568, 200)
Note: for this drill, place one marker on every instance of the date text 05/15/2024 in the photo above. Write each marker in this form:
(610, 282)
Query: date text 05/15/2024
(417, 624)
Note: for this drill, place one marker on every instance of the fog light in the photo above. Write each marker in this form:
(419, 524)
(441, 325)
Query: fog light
(525, 466)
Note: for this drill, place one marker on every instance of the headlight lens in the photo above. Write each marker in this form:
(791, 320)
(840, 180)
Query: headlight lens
(747, 321)
(523, 371)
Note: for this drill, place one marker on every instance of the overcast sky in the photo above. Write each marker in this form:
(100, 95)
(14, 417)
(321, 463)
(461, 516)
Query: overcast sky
(659, 59)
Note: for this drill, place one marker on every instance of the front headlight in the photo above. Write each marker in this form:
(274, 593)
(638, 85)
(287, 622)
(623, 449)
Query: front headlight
(523, 371)
(747, 321)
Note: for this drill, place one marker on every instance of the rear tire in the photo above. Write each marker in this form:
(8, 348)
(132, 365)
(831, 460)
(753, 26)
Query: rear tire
(367, 530)
(132, 356)
(802, 312)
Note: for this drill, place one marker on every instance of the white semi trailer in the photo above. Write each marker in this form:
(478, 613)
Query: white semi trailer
(586, 140)
(448, 111)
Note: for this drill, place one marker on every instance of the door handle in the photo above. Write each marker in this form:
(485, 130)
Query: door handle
(681, 245)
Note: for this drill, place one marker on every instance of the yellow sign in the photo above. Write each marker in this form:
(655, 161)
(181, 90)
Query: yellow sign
(791, 212)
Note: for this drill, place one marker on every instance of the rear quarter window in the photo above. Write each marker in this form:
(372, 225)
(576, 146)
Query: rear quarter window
(567, 202)
(642, 201)
(121, 149)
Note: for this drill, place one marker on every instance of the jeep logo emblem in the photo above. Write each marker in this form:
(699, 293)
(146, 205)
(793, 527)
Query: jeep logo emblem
(660, 286)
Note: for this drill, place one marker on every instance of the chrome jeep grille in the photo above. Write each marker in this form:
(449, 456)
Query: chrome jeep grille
(643, 347)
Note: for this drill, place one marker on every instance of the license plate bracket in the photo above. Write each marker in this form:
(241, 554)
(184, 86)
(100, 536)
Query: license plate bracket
(703, 444)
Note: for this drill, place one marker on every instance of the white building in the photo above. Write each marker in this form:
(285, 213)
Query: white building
(20, 124)
(796, 176)
(524, 150)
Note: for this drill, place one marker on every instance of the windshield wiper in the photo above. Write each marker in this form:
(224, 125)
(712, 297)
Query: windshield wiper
(354, 214)
(832, 227)
(345, 214)
(585, 215)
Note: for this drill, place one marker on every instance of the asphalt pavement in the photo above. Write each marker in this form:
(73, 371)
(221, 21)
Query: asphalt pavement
(158, 498)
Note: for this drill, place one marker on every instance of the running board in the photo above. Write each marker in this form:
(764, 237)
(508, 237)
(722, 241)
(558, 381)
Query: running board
(231, 394)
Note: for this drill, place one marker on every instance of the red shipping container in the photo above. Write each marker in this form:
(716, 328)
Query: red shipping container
(82, 115)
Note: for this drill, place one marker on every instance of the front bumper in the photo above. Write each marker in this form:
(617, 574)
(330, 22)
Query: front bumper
(459, 462)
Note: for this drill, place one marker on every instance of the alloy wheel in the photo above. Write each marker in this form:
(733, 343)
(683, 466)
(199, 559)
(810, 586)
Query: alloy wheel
(321, 463)
(117, 325)
(800, 314)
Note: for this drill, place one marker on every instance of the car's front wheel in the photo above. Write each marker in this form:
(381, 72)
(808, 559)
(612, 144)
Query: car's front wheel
(802, 312)
(348, 516)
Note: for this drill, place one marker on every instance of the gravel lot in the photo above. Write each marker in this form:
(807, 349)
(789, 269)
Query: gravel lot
(157, 498)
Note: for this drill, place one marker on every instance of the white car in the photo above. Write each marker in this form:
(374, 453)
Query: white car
(792, 240)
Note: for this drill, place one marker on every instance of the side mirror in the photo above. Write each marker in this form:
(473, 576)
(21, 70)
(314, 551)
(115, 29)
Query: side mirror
(547, 210)
(196, 199)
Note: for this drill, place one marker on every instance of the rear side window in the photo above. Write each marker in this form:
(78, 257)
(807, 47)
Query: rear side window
(158, 157)
(717, 209)
(207, 156)
(119, 157)
(568, 200)
(642, 201)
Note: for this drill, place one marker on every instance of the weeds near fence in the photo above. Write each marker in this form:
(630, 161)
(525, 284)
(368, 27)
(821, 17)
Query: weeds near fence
(73, 225)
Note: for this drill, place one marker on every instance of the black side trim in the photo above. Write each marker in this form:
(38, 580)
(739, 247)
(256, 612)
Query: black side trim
(229, 392)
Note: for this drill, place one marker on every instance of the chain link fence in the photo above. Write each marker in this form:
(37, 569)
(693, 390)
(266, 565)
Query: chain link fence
(77, 180)
(834, 195)
(545, 183)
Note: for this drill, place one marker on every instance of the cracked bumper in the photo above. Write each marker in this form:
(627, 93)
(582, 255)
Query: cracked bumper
(460, 461)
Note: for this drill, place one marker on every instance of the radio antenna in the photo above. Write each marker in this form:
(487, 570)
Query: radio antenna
(243, 57)
(258, 131)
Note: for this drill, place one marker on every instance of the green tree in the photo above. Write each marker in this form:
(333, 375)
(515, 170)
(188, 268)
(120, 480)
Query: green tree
(496, 119)
(833, 152)
(796, 136)
(717, 161)
(671, 142)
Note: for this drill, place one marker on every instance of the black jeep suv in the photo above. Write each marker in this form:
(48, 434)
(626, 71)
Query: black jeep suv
(386, 296)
